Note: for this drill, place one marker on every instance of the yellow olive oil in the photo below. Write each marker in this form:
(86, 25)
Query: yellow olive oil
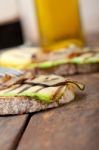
(59, 23)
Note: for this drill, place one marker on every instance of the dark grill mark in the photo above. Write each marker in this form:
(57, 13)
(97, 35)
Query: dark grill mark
(89, 57)
(55, 94)
(25, 88)
(39, 89)
(47, 79)
(54, 79)
(12, 89)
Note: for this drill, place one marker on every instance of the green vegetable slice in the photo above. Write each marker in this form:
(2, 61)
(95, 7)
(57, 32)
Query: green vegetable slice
(49, 64)
(86, 59)
(45, 88)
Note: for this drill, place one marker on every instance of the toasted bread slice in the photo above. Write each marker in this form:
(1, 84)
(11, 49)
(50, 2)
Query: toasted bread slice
(25, 95)
(67, 63)
(20, 105)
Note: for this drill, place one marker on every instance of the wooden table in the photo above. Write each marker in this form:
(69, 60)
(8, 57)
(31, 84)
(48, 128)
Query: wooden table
(71, 127)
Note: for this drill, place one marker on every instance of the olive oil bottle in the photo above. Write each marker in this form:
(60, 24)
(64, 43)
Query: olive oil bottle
(59, 23)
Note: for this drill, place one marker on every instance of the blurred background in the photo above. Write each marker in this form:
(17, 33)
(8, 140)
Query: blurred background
(89, 10)
(21, 15)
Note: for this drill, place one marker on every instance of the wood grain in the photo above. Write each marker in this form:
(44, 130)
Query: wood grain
(73, 127)
(11, 129)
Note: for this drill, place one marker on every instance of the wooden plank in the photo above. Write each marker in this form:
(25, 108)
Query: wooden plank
(11, 129)
(92, 39)
(73, 126)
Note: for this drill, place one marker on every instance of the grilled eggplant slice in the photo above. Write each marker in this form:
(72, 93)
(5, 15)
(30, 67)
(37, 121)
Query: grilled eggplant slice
(78, 58)
(44, 88)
